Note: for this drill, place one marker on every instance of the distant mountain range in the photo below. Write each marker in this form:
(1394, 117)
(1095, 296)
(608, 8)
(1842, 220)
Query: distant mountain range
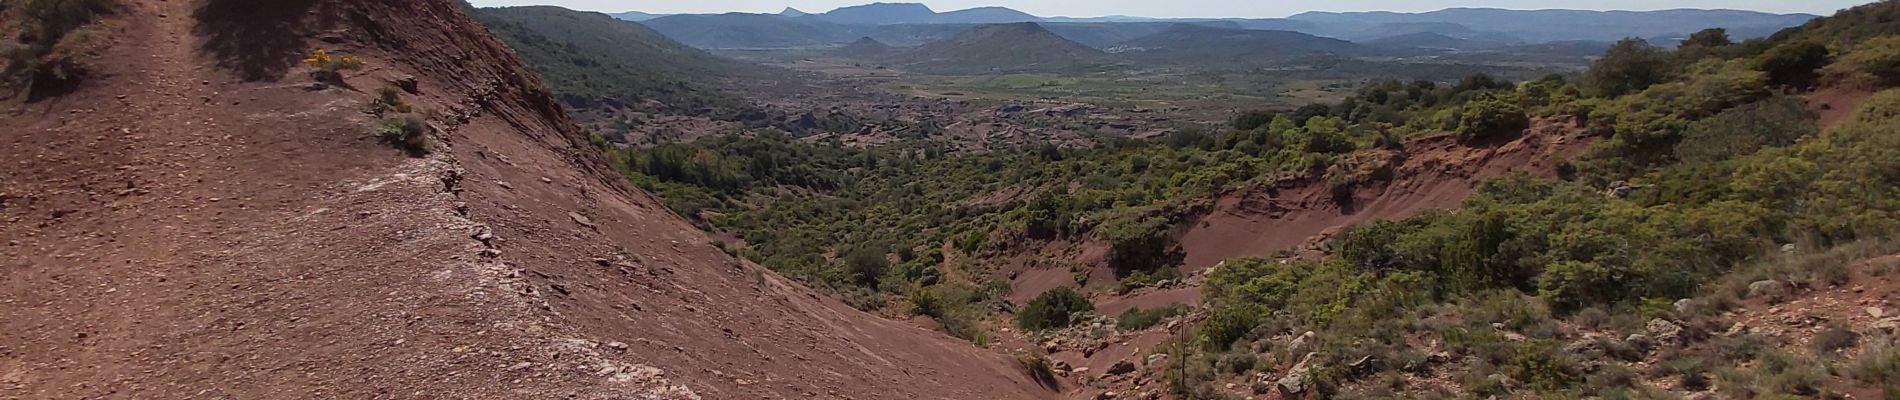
(909, 24)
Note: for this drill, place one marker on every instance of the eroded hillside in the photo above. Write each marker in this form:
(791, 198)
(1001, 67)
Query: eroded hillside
(203, 215)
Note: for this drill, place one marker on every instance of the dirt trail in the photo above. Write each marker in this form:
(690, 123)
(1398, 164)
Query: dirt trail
(173, 230)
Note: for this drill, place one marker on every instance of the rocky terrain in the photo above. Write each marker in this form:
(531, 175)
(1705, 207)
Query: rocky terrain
(205, 217)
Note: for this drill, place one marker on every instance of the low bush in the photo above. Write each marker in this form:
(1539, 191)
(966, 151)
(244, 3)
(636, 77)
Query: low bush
(1137, 319)
(49, 39)
(329, 68)
(1053, 309)
(1834, 338)
(1491, 116)
(1880, 366)
(408, 132)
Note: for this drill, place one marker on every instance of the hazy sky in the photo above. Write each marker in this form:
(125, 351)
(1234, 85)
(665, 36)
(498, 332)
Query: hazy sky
(1184, 8)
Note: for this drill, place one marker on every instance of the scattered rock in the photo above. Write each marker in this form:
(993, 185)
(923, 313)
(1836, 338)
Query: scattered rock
(1876, 312)
(1587, 346)
(408, 84)
(1772, 288)
(1664, 331)
(1121, 367)
(1641, 342)
(1504, 380)
(1514, 337)
(1684, 306)
(582, 219)
(1737, 329)
(1298, 345)
(617, 346)
(1295, 381)
(1364, 366)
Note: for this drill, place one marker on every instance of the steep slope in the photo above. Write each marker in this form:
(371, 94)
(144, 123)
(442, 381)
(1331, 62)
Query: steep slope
(1436, 173)
(590, 58)
(174, 231)
(1004, 48)
(1202, 44)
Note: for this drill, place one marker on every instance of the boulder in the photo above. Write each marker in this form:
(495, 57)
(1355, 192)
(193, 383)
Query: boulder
(1121, 367)
(1298, 345)
(1297, 379)
(1664, 331)
(1587, 346)
(1640, 341)
(1770, 288)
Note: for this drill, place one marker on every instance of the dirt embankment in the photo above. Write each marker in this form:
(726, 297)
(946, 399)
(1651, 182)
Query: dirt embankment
(1435, 172)
(199, 220)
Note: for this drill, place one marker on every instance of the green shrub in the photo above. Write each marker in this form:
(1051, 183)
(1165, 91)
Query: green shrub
(408, 132)
(1629, 66)
(1542, 366)
(866, 264)
(1227, 325)
(1137, 319)
(1139, 244)
(1491, 116)
(47, 41)
(1792, 62)
(1053, 309)
(1877, 58)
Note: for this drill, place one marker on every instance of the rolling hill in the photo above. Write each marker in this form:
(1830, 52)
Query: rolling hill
(749, 31)
(865, 48)
(912, 13)
(591, 58)
(1198, 43)
(635, 16)
(1557, 25)
(1003, 48)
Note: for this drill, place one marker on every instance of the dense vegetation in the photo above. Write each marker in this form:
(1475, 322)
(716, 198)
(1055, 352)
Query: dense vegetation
(1724, 178)
(1707, 175)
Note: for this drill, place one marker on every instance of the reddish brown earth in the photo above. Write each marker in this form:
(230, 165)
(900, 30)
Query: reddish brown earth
(1835, 103)
(174, 230)
(1437, 172)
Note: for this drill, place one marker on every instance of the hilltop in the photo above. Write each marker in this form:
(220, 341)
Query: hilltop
(590, 59)
(1015, 47)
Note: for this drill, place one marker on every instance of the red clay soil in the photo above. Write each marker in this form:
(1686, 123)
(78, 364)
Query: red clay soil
(1437, 173)
(1835, 103)
(197, 220)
